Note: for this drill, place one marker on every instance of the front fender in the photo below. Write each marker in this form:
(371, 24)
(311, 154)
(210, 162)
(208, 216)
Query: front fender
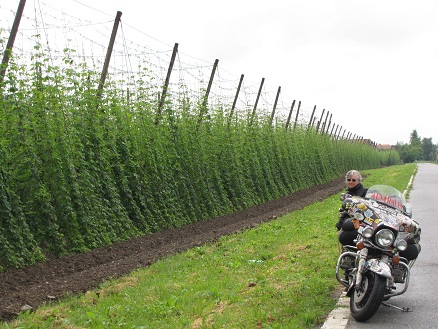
(378, 267)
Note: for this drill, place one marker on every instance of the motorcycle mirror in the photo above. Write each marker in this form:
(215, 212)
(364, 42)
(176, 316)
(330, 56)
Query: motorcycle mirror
(408, 209)
(346, 204)
(345, 196)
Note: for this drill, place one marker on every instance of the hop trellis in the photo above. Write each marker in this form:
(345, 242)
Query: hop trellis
(87, 161)
(137, 60)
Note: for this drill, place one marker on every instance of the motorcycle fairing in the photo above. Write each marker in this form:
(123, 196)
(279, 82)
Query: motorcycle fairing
(375, 214)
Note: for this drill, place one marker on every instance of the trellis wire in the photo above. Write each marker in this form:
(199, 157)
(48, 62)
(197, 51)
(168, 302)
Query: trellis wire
(55, 31)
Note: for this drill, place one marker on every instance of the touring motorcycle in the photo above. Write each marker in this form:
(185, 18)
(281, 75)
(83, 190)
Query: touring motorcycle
(376, 267)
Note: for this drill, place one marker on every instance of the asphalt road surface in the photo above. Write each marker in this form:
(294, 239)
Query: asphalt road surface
(422, 294)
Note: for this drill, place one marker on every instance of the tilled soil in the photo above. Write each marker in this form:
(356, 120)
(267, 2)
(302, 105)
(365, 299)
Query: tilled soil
(75, 274)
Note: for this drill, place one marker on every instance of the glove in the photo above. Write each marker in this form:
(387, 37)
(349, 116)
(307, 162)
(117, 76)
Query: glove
(342, 216)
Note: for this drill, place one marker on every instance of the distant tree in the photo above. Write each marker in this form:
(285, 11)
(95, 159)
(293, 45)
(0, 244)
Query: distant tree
(415, 138)
(429, 150)
(409, 153)
(418, 149)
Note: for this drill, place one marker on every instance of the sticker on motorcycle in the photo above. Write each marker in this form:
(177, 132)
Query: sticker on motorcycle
(368, 213)
(358, 216)
(356, 224)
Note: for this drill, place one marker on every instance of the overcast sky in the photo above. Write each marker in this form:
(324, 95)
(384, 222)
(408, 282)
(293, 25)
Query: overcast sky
(372, 64)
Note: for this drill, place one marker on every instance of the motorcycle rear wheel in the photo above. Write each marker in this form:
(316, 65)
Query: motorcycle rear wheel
(366, 300)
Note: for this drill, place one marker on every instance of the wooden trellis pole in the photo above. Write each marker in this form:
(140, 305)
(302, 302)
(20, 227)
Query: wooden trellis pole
(166, 85)
(331, 131)
(296, 116)
(343, 134)
(320, 120)
(257, 100)
(11, 40)
(275, 106)
(290, 114)
(235, 99)
(339, 133)
(207, 93)
(325, 123)
(329, 123)
(311, 118)
(108, 56)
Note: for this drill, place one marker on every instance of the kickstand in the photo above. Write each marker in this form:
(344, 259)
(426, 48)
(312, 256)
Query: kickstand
(403, 309)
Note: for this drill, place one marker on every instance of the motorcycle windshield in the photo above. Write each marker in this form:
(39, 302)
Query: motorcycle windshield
(388, 195)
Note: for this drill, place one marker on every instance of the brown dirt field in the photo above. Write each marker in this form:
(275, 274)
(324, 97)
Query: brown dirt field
(75, 274)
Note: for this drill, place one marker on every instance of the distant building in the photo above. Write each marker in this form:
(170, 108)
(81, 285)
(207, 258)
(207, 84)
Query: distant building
(384, 146)
(368, 142)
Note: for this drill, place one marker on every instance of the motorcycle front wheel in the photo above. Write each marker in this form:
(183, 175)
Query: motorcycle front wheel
(366, 299)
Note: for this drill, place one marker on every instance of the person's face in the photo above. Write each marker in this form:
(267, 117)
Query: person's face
(352, 181)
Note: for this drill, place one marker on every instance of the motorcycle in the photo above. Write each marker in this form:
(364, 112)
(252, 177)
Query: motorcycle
(377, 267)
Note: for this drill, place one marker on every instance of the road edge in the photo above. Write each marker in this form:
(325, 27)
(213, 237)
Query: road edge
(338, 318)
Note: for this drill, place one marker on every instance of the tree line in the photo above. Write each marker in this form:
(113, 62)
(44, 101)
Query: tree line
(418, 149)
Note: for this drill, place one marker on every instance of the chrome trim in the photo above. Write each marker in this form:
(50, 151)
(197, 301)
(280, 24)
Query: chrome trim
(341, 256)
(406, 284)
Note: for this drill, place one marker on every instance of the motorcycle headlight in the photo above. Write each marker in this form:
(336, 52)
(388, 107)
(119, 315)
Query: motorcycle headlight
(367, 232)
(384, 238)
(402, 245)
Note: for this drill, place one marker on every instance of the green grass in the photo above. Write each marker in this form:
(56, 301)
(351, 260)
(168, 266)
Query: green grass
(278, 275)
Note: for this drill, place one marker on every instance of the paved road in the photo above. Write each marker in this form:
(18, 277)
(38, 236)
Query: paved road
(422, 294)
